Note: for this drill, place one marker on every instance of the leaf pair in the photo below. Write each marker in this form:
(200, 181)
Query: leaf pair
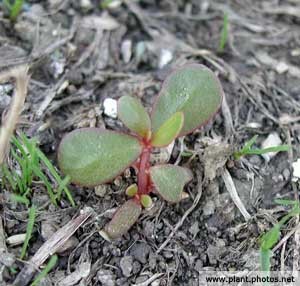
(136, 118)
(189, 98)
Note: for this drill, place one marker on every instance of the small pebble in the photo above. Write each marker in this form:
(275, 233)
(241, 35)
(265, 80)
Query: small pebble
(126, 51)
(106, 277)
(126, 265)
(165, 57)
(140, 251)
(110, 107)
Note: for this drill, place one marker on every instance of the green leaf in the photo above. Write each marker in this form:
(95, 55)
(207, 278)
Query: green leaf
(168, 131)
(134, 116)
(270, 238)
(193, 89)
(91, 156)
(123, 219)
(132, 190)
(265, 256)
(146, 201)
(169, 181)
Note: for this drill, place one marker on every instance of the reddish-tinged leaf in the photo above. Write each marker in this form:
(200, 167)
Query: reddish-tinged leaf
(169, 181)
(193, 89)
(91, 156)
(134, 116)
(123, 219)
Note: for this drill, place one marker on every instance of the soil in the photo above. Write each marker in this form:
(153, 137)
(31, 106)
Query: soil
(80, 54)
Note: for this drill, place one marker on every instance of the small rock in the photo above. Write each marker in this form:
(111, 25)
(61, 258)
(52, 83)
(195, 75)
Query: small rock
(4, 100)
(198, 265)
(106, 277)
(75, 77)
(71, 243)
(140, 51)
(110, 107)
(156, 283)
(5, 89)
(16, 239)
(168, 254)
(286, 174)
(140, 252)
(101, 191)
(136, 267)
(152, 261)
(282, 67)
(141, 279)
(194, 229)
(7, 259)
(209, 208)
(165, 57)
(255, 160)
(126, 264)
(272, 140)
(86, 5)
(296, 170)
(126, 51)
(47, 230)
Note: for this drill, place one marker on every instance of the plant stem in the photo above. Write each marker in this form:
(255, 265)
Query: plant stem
(143, 171)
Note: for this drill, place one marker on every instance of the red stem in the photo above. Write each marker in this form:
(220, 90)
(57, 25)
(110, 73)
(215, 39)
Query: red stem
(143, 171)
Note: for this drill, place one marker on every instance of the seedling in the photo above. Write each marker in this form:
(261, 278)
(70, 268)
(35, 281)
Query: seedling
(14, 8)
(248, 150)
(189, 98)
(270, 238)
(224, 34)
(31, 163)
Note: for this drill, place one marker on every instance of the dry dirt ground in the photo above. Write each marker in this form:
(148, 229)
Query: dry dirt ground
(80, 54)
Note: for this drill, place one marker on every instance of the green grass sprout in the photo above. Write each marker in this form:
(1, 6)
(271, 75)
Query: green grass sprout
(224, 34)
(51, 263)
(270, 238)
(14, 8)
(29, 229)
(248, 150)
(31, 165)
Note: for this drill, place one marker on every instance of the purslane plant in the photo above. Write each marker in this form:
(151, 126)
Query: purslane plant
(189, 98)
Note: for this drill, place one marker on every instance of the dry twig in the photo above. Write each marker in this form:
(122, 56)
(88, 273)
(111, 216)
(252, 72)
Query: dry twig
(20, 74)
(50, 247)
(234, 195)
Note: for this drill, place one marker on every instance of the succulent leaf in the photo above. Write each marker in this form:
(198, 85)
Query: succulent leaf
(131, 190)
(193, 89)
(123, 219)
(169, 181)
(134, 116)
(92, 156)
(146, 201)
(168, 131)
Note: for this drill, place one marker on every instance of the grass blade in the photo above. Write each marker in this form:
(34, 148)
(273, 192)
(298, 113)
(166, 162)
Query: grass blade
(19, 199)
(224, 34)
(54, 173)
(43, 177)
(51, 263)
(280, 148)
(29, 229)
